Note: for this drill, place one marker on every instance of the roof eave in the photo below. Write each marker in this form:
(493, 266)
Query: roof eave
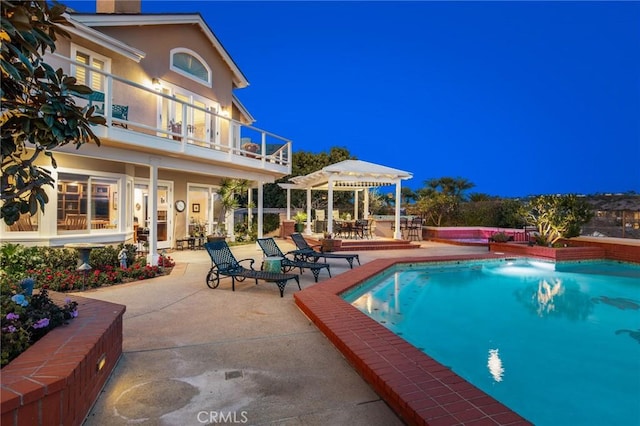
(236, 102)
(83, 31)
(114, 20)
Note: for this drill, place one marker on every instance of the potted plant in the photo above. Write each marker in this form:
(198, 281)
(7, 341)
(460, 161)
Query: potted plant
(328, 243)
(228, 198)
(300, 218)
(251, 149)
(501, 237)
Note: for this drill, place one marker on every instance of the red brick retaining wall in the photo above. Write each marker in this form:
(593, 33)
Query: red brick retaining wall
(576, 250)
(557, 254)
(616, 251)
(466, 232)
(56, 381)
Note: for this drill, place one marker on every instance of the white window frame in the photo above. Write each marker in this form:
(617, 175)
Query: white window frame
(75, 49)
(92, 174)
(214, 122)
(208, 83)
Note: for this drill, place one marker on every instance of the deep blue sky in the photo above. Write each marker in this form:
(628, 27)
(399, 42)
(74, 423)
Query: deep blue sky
(520, 98)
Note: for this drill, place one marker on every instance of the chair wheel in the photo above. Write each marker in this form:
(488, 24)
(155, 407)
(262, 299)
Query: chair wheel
(213, 279)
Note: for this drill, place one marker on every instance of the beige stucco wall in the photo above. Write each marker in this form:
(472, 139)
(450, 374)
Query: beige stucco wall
(158, 41)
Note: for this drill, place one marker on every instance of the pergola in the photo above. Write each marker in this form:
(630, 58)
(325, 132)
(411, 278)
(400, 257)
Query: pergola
(348, 175)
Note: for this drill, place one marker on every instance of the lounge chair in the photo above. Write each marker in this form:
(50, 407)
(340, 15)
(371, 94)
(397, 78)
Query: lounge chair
(271, 249)
(307, 252)
(225, 264)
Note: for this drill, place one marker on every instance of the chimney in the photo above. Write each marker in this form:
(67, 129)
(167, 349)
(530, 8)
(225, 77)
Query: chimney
(118, 6)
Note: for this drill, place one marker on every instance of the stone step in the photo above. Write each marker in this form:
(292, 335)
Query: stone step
(362, 245)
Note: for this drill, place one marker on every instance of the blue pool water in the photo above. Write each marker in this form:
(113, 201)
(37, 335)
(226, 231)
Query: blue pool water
(558, 344)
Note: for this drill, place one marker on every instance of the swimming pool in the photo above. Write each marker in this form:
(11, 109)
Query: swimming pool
(557, 344)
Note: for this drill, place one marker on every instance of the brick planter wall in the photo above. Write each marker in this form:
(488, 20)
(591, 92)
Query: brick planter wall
(287, 227)
(576, 250)
(556, 254)
(625, 251)
(56, 381)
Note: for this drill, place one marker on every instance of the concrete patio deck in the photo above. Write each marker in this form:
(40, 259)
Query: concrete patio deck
(192, 355)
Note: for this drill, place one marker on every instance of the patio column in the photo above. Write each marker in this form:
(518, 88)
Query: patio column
(307, 230)
(288, 203)
(330, 205)
(398, 233)
(260, 208)
(152, 200)
(249, 208)
(355, 204)
(366, 204)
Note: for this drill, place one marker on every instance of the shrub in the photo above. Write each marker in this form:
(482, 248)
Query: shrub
(58, 267)
(26, 319)
(556, 216)
(271, 222)
(501, 237)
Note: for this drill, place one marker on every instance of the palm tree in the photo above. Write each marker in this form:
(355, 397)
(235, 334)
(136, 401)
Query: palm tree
(229, 193)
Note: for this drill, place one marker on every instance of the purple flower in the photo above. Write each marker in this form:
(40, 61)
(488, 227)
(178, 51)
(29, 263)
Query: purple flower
(10, 329)
(20, 300)
(44, 322)
(67, 301)
(74, 314)
(12, 316)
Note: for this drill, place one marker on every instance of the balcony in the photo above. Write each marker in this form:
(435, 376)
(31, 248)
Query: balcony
(146, 116)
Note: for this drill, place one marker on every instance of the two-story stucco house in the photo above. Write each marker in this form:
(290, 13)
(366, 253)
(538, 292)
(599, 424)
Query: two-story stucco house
(175, 129)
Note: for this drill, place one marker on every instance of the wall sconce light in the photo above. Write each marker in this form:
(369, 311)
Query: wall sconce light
(224, 112)
(101, 362)
(156, 83)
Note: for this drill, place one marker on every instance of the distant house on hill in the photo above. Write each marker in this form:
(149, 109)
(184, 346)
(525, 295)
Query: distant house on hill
(616, 215)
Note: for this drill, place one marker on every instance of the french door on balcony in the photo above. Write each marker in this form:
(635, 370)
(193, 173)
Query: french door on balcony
(202, 128)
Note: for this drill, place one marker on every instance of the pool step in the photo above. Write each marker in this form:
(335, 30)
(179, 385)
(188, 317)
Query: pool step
(362, 245)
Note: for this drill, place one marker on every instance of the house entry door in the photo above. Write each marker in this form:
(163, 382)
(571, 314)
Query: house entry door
(142, 213)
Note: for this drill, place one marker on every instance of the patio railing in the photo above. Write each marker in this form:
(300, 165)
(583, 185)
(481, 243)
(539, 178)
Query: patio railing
(146, 110)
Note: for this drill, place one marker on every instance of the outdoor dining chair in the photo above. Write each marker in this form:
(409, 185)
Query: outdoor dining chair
(415, 228)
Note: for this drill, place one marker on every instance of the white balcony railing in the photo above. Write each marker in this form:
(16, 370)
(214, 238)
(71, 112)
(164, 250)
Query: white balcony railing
(146, 110)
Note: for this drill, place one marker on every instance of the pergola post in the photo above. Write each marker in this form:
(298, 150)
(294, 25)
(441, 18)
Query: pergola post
(249, 209)
(365, 214)
(355, 204)
(308, 225)
(260, 209)
(398, 233)
(330, 205)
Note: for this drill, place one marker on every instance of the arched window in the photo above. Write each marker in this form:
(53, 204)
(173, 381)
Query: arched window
(190, 64)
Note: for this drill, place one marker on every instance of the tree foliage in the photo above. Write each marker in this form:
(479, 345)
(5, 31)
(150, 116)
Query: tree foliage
(38, 111)
(303, 163)
(440, 198)
(450, 186)
(435, 207)
(556, 216)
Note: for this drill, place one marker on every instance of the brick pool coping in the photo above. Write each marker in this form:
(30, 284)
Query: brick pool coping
(419, 389)
(57, 380)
